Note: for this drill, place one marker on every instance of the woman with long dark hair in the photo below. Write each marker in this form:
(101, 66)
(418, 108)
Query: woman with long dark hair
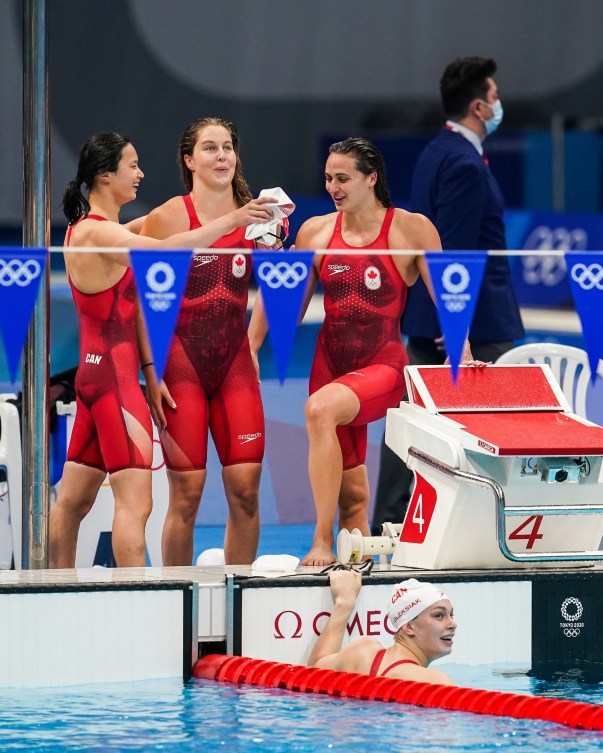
(358, 367)
(112, 428)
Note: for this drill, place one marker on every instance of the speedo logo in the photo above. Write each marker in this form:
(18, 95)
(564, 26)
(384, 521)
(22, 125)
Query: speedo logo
(336, 269)
(249, 437)
(205, 259)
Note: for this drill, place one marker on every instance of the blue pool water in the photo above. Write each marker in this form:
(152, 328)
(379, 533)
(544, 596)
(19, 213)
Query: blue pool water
(207, 716)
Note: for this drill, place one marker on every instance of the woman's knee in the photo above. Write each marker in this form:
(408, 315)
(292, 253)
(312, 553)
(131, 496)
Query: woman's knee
(245, 501)
(185, 491)
(76, 505)
(319, 413)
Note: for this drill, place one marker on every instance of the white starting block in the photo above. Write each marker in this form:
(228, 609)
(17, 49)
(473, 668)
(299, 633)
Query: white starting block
(506, 475)
(99, 521)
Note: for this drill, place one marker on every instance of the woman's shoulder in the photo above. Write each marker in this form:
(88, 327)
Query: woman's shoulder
(166, 219)
(316, 231)
(413, 230)
(174, 206)
(87, 230)
(366, 646)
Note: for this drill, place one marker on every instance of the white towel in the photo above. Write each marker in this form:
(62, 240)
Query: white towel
(259, 231)
(275, 564)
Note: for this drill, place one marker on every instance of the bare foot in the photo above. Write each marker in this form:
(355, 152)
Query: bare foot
(319, 555)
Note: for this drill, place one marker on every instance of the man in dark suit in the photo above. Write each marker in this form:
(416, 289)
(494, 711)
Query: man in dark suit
(455, 188)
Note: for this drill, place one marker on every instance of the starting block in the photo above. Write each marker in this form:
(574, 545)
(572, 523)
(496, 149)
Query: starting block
(506, 476)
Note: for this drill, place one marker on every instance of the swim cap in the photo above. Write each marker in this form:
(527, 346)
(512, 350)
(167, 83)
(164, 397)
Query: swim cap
(409, 598)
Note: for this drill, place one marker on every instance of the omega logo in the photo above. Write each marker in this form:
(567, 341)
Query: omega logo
(296, 622)
(289, 624)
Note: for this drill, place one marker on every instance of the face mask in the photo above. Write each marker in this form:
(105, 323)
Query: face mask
(497, 116)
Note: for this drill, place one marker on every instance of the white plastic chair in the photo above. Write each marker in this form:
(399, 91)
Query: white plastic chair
(568, 364)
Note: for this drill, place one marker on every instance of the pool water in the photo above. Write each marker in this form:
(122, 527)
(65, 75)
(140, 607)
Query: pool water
(208, 716)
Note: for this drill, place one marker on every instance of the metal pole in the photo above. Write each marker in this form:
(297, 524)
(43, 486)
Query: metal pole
(36, 232)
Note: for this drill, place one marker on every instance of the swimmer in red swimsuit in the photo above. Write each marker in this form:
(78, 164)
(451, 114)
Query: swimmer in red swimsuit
(358, 368)
(112, 429)
(421, 617)
(210, 383)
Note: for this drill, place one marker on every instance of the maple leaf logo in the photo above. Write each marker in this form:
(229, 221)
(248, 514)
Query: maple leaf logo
(372, 275)
(238, 261)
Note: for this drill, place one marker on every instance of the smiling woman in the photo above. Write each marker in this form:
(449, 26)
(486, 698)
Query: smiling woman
(420, 613)
(358, 367)
(112, 429)
(210, 382)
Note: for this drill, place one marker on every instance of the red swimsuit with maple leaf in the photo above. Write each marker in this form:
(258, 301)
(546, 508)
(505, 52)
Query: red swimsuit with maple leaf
(209, 372)
(359, 344)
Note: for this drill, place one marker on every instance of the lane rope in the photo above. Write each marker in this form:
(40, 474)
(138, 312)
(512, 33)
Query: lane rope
(270, 674)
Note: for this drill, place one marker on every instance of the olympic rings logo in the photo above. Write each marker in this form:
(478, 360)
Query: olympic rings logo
(17, 272)
(588, 277)
(579, 609)
(560, 239)
(455, 307)
(571, 632)
(282, 274)
(157, 269)
(449, 272)
(543, 270)
(550, 270)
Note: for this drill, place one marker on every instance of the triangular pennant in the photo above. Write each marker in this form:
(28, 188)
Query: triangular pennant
(160, 279)
(456, 277)
(282, 278)
(21, 270)
(585, 273)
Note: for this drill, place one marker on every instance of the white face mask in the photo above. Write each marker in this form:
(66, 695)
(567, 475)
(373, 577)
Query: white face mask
(497, 116)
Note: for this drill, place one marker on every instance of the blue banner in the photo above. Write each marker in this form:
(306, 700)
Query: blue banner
(585, 272)
(541, 279)
(160, 279)
(456, 277)
(21, 270)
(282, 278)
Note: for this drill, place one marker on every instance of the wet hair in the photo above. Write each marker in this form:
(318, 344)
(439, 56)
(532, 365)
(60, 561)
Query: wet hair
(368, 160)
(100, 154)
(464, 80)
(241, 191)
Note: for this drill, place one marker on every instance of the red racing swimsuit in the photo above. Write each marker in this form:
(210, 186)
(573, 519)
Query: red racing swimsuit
(209, 371)
(112, 428)
(359, 343)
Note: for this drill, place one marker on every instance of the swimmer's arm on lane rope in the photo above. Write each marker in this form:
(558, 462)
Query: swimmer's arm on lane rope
(345, 587)
(156, 392)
